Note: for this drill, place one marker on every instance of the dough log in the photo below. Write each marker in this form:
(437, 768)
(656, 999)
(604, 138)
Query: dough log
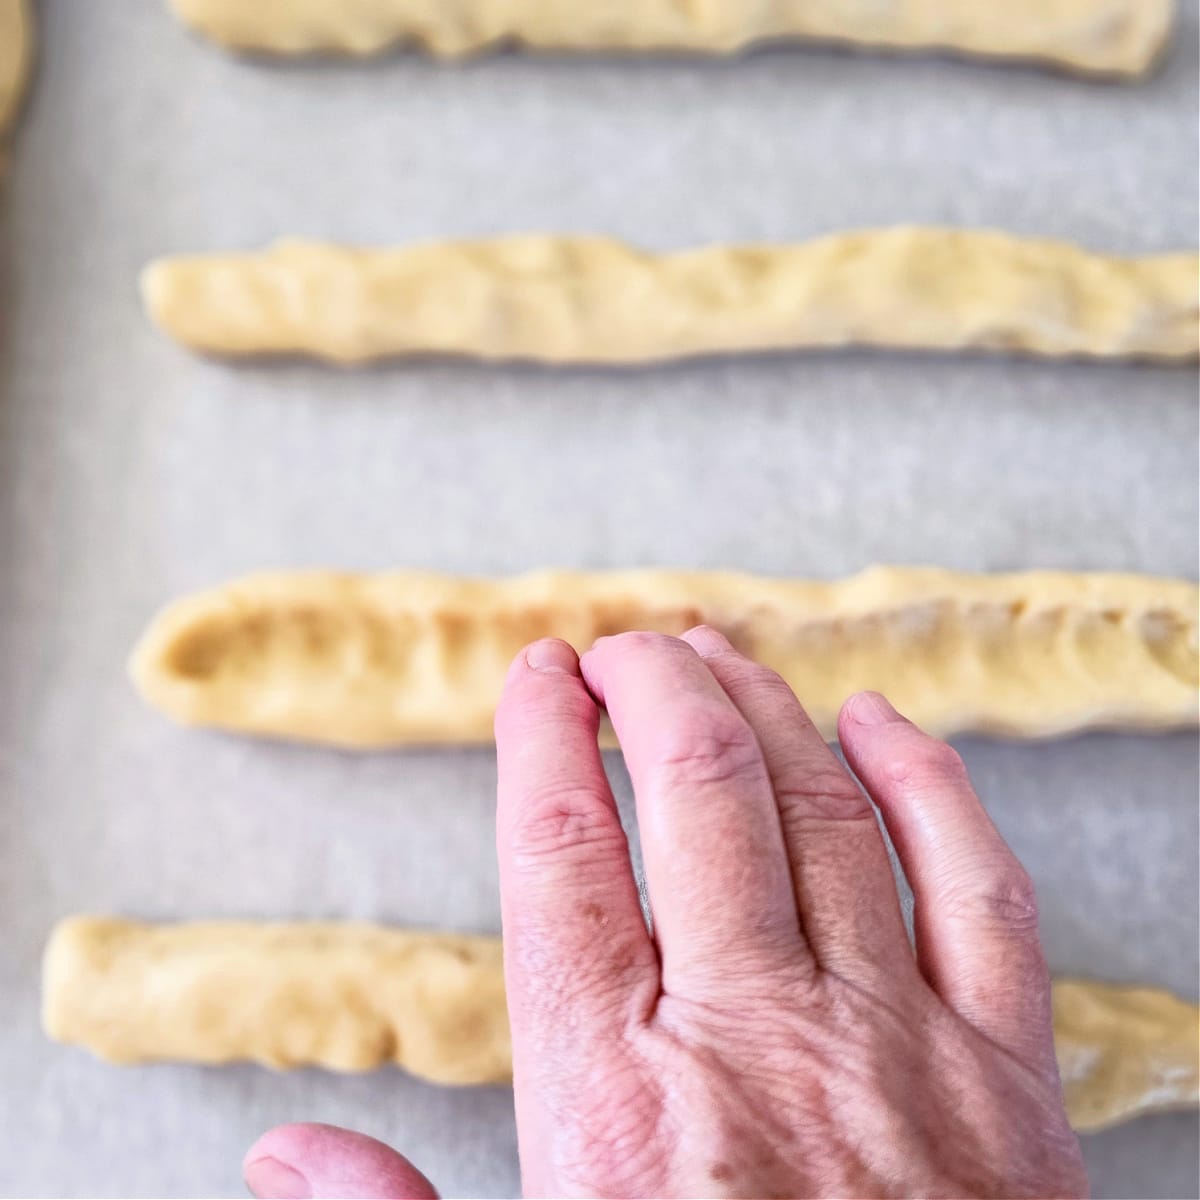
(343, 996)
(1106, 37)
(1124, 1051)
(385, 660)
(592, 300)
(354, 997)
(16, 54)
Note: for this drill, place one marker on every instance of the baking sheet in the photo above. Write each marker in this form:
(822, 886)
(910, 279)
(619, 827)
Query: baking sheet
(131, 472)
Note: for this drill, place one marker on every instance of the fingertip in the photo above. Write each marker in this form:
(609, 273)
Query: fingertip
(707, 642)
(870, 709)
(590, 672)
(613, 651)
(547, 656)
(282, 1137)
(544, 684)
(892, 755)
(296, 1162)
(269, 1179)
(531, 677)
(552, 656)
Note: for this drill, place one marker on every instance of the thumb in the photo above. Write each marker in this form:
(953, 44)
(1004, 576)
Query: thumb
(295, 1162)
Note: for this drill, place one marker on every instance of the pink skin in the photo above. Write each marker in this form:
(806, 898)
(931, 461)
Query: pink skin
(776, 1035)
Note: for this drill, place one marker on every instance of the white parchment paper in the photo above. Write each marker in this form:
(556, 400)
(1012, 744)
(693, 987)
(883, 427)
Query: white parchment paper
(131, 472)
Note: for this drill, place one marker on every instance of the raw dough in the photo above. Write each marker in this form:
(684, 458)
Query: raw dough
(353, 997)
(1111, 37)
(593, 300)
(344, 996)
(1124, 1051)
(16, 53)
(372, 661)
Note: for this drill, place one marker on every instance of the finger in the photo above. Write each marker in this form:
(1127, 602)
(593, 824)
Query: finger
(296, 1161)
(975, 911)
(716, 870)
(842, 876)
(575, 938)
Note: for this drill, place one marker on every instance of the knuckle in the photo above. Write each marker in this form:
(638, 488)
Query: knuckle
(639, 640)
(765, 685)
(1003, 899)
(922, 760)
(712, 748)
(770, 681)
(825, 793)
(553, 822)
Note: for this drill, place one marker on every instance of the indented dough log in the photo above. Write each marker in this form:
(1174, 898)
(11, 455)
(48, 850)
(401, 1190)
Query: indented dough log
(348, 997)
(1124, 1051)
(593, 300)
(385, 660)
(354, 997)
(16, 53)
(1113, 37)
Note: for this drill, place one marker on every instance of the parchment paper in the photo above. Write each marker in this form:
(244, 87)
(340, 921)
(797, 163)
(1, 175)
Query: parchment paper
(131, 472)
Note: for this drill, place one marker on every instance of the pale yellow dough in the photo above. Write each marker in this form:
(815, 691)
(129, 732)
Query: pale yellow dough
(354, 997)
(1108, 37)
(385, 660)
(16, 54)
(348, 997)
(594, 300)
(1124, 1051)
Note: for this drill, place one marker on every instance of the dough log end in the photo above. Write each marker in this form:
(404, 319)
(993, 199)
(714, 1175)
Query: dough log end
(152, 671)
(164, 287)
(75, 951)
(297, 657)
(57, 959)
(1124, 1052)
(1149, 50)
(1123, 43)
(18, 45)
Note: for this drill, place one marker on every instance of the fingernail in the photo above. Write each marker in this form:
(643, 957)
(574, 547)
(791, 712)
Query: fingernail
(707, 641)
(270, 1179)
(870, 708)
(552, 656)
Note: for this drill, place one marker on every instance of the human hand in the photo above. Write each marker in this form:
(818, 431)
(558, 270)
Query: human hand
(775, 1036)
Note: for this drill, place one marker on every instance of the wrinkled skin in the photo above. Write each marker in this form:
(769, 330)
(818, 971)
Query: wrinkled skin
(775, 1035)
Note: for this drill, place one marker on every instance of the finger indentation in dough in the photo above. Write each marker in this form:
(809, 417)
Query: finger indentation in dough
(372, 661)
